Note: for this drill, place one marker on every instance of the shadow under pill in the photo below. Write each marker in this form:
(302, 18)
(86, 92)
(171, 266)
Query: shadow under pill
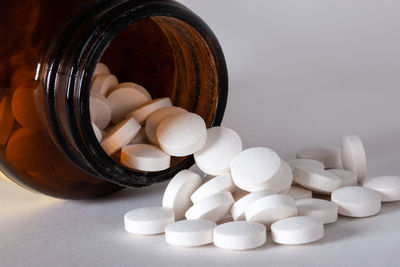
(191, 249)
(388, 208)
(337, 232)
(253, 250)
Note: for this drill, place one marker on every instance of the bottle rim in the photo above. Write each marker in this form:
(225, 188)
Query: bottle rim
(72, 64)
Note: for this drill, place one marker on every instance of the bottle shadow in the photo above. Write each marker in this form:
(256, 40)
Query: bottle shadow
(155, 190)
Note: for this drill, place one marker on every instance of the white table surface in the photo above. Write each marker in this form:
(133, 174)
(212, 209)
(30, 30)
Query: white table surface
(301, 73)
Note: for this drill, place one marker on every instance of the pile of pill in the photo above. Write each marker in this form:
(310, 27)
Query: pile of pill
(241, 194)
(143, 132)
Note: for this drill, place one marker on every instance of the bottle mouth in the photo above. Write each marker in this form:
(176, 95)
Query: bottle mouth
(164, 47)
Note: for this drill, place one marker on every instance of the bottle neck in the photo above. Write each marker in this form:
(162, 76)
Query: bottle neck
(197, 82)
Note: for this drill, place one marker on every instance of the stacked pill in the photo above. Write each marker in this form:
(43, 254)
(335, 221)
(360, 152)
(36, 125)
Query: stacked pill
(243, 194)
(240, 194)
(143, 132)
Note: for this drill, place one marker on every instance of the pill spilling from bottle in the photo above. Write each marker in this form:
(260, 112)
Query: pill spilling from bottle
(143, 132)
(241, 196)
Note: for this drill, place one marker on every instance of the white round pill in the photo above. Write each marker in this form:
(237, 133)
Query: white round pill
(357, 201)
(178, 192)
(348, 178)
(387, 186)
(133, 86)
(298, 192)
(325, 210)
(353, 156)
(212, 208)
(120, 135)
(145, 157)
(222, 145)
(182, 134)
(284, 191)
(208, 177)
(271, 208)
(328, 155)
(100, 111)
(213, 186)
(143, 112)
(148, 220)
(297, 230)
(102, 83)
(155, 118)
(322, 182)
(101, 68)
(306, 163)
(282, 180)
(97, 132)
(240, 235)
(140, 138)
(225, 219)
(238, 209)
(123, 101)
(253, 168)
(190, 233)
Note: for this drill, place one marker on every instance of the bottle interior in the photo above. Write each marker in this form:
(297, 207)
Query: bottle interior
(163, 54)
(170, 59)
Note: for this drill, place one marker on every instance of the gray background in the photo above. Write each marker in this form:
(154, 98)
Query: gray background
(301, 73)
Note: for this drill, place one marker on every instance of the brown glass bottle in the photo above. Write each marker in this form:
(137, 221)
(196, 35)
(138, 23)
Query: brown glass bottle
(47, 59)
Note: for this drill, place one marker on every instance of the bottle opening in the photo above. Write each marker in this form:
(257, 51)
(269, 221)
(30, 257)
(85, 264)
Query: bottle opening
(170, 59)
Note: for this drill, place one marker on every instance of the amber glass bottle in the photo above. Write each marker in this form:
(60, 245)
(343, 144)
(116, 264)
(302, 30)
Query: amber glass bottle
(48, 54)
